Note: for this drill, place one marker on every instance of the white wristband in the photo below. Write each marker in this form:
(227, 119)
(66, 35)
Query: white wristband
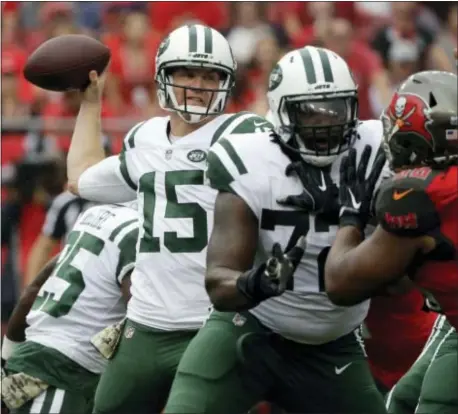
(8, 347)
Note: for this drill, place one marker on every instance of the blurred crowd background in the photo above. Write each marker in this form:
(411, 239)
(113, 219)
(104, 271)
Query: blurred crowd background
(382, 42)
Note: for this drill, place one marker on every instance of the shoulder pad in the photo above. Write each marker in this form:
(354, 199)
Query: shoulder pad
(403, 206)
(233, 157)
(242, 123)
(129, 139)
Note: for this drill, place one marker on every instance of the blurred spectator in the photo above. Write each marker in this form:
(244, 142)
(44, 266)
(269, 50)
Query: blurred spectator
(427, 19)
(404, 25)
(59, 117)
(167, 15)
(14, 89)
(89, 15)
(10, 23)
(403, 61)
(298, 17)
(114, 12)
(242, 96)
(267, 54)
(133, 60)
(56, 19)
(313, 34)
(363, 62)
(442, 52)
(371, 16)
(38, 179)
(248, 27)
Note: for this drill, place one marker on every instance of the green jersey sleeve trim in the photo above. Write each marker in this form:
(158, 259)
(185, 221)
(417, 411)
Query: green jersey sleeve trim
(118, 229)
(128, 144)
(127, 255)
(233, 156)
(129, 140)
(217, 174)
(125, 172)
(225, 125)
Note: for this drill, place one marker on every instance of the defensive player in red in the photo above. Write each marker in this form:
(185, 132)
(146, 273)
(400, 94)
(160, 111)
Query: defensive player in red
(417, 210)
(395, 332)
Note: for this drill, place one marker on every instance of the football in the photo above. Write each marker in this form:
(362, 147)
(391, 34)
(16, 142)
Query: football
(64, 62)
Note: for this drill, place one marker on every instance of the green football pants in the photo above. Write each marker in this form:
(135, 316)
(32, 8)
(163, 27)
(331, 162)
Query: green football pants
(431, 384)
(57, 401)
(138, 378)
(234, 362)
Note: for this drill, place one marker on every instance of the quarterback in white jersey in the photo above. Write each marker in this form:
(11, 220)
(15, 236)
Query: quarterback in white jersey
(162, 164)
(83, 295)
(278, 193)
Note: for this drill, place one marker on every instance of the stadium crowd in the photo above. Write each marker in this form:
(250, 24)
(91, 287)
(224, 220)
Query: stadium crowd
(382, 42)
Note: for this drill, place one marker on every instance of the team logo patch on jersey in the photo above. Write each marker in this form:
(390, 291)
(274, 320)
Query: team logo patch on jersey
(129, 332)
(197, 155)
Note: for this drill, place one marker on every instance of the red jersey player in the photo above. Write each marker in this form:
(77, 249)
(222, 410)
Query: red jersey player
(417, 209)
(417, 212)
(396, 329)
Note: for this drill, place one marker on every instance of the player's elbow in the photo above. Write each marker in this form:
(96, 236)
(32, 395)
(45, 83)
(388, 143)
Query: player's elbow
(336, 289)
(221, 289)
(339, 298)
(214, 289)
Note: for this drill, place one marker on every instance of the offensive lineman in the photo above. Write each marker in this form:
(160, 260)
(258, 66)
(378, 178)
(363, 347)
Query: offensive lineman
(57, 368)
(293, 347)
(418, 221)
(162, 164)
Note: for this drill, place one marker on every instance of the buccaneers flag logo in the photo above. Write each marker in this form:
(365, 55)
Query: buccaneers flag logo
(410, 113)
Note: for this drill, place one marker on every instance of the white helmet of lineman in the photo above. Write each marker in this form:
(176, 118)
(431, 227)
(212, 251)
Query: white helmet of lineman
(313, 102)
(200, 47)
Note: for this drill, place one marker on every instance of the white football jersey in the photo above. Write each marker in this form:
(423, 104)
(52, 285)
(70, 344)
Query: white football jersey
(253, 167)
(176, 215)
(83, 295)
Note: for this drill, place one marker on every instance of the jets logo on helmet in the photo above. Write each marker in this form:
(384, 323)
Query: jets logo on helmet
(276, 76)
(163, 46)
(314, 104)
(194, 46)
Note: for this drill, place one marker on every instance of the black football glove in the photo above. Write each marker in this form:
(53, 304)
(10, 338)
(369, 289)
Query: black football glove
(320, 194)
(272, 277)
(355, 191)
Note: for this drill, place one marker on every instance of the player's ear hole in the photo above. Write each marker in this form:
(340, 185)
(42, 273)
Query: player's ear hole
(432, 100)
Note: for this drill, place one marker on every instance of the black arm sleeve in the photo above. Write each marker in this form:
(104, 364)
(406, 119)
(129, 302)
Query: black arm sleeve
(404, 208)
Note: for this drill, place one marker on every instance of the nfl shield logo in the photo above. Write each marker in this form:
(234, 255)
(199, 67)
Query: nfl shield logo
(129, 332)
(168, 154)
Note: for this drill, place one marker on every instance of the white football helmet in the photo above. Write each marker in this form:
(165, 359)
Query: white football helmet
(313, 101)
(194, 46)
